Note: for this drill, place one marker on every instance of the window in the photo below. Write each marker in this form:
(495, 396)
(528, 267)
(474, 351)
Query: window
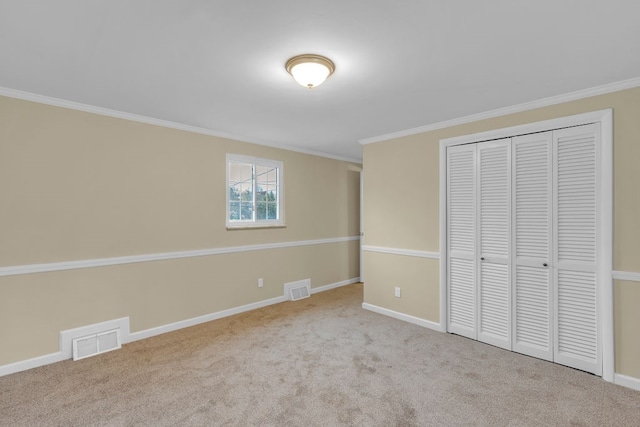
(254, 192)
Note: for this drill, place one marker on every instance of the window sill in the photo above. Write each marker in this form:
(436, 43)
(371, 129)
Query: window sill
(253, 227)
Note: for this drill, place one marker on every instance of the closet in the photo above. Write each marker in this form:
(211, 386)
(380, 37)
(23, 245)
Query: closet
(522, 232)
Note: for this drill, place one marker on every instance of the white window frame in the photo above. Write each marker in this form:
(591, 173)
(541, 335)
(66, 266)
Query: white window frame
(255, 223)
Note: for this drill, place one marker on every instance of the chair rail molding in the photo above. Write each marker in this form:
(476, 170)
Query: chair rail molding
(101, 262)
(399, 251)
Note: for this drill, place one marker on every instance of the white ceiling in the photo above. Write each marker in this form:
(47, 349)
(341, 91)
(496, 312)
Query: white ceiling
(219, 65)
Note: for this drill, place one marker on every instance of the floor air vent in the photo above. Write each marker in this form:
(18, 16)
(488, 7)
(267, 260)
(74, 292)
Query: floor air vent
(92, 345)
(299, 293)
(297, 290)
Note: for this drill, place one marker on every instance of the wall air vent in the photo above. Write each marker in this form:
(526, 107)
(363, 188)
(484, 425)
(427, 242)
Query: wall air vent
(92, 345)
(297, 290)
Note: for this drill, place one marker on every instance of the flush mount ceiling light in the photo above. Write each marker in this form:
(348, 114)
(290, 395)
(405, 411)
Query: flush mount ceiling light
(310, 70)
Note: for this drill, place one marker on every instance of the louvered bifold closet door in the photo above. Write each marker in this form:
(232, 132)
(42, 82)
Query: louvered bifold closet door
(532, 195)
(461, 230)
(493, 301)
(576, 200)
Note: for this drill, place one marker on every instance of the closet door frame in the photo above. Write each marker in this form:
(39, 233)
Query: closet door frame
(605, 215)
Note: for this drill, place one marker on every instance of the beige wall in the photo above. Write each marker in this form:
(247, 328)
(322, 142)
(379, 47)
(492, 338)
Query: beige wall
(80, 186)
(401, 211)
(415, 278)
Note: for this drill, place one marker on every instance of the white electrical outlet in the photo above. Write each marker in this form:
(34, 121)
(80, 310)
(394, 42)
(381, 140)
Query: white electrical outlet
(397, 292)
(260, 282)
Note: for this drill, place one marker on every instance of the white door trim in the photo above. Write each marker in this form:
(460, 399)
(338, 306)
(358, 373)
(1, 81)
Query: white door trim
(605, 255)
(361, 222)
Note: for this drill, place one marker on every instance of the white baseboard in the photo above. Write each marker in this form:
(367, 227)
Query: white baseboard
(619, 379)
(626, 381)
(404, 317)
(65, 345)
(64, 352)
(148, 333)
(334, 285)
(35, 362)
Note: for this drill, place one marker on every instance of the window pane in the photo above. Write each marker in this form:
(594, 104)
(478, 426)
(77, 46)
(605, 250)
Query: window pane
(240, 172)
(261, 211)
(234, 193)
(247, 193)
(266, 176)
(272, 211)
(246, 212)
(240, 191)
(234, 211)
(266, 192)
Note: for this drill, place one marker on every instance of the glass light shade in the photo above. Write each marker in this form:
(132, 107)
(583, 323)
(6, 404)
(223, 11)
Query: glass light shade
(310, 70)
(310, 74)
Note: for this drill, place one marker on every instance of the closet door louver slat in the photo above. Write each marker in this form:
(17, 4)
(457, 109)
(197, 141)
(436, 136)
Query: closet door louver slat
(461, 240)
(532, 196)
(494, 160)
(576, 199)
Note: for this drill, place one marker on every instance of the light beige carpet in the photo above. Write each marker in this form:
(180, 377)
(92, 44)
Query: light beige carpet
(322, 361)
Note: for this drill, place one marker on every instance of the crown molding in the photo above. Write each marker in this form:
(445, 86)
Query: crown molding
(72, 105)
(545, 102)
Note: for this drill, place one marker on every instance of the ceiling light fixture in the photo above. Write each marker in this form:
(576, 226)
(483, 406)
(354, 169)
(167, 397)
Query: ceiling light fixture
(310, 70)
